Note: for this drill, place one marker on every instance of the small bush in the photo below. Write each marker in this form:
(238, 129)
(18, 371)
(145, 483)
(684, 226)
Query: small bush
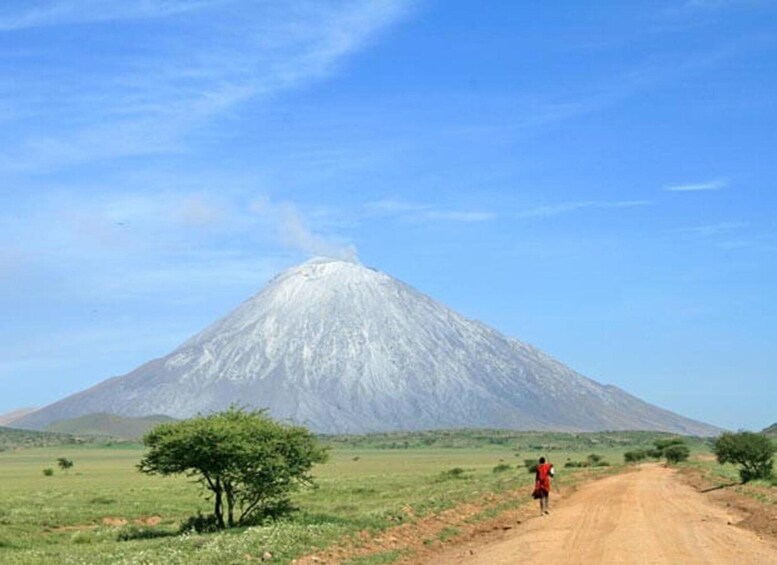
(676, 453)
(501, 468)
(80, 538)
(575, 464)
(455, 473)
(635, 456)
(531, 465)
(48, 471)
(142, 532)
(200, 524)
(593, 459)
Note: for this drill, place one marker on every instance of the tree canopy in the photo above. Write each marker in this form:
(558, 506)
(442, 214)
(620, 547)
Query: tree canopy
(751, 451)
(248, 462)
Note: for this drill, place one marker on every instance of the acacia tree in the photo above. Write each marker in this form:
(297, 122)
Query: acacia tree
(248, 462)
(64, 463)
(751, 451)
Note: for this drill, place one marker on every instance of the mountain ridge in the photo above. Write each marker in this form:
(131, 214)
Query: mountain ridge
(343, 348)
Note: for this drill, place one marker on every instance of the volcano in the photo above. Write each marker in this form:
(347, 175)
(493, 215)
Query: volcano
(342, 348)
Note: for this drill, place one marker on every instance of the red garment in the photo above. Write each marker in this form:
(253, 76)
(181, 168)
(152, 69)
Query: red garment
(542, 483)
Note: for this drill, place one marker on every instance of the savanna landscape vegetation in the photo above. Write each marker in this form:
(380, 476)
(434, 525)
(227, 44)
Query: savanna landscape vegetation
(379, 498)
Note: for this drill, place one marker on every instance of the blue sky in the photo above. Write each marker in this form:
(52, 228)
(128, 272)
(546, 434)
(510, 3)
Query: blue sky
(596, 179)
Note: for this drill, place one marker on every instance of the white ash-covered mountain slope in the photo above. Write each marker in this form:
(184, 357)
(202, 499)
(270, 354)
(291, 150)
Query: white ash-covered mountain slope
(343, 348)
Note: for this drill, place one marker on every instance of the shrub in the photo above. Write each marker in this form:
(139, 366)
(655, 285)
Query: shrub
(531, 465)
(752, 452)
(200, 524)
(455, 473)
(501, 468)
(48, 471)
(676, 453)
(141, 532)
(634, 456)
(593, 459)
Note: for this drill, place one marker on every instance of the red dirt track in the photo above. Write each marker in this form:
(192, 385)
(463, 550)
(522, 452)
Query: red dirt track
(647, 516)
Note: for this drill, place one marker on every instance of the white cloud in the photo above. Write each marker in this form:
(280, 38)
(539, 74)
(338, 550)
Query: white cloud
(160, 99)
(453, 216)
(565, 207)
(415, 211)
(711, 230)
(64, 12)
(715, 184)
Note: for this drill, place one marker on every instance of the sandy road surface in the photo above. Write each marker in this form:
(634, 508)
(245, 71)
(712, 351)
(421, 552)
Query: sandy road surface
(647, 517)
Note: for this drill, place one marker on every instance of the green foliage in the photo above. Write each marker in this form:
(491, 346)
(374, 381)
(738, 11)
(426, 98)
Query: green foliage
(752, 452)
(247, 461)
(575, 464)
(635, 456)
(676, 452)
(11, 438)
(531, 465)
(201, 524)
(593, 459)
(455, 473)
(517, 441)
(501, 468)
(64, 463)
(662, 444)
(674, 449)
(48, 471)
(129, 533)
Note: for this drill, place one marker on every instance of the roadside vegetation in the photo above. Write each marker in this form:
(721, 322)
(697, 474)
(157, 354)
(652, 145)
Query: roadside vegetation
(753, 454)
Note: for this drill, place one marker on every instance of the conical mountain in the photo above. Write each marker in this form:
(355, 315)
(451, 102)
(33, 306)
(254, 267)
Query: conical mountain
(343, 348)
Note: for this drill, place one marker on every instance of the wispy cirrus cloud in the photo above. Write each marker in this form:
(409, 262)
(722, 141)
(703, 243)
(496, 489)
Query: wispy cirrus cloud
(711, 230)
(62, 12)
(415, 211)
(161, 99)
(551, 210)
(715, 184)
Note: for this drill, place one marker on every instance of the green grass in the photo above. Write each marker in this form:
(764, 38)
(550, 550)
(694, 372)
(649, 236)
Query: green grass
(727, 476)
(62, 518)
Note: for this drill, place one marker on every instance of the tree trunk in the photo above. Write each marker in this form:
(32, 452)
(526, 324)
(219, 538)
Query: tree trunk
(230, 503)
(218, 509)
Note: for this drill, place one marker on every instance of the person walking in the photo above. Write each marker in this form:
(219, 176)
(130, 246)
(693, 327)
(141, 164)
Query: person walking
(542, 484)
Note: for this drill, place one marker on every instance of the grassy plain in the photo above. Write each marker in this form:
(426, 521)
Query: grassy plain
(370, 483)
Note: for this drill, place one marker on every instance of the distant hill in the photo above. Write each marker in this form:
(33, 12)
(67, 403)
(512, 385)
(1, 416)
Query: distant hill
(771, 431)
(11, 438)
(104, 424)
(7, 418)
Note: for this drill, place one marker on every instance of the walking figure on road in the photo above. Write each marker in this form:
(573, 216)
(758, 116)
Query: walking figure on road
(542, 484)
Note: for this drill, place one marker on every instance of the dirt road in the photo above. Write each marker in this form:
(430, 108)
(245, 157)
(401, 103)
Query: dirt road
(647, 516)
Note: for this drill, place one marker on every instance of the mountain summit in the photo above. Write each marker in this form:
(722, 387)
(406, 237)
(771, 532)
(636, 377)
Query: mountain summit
(343, 348)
